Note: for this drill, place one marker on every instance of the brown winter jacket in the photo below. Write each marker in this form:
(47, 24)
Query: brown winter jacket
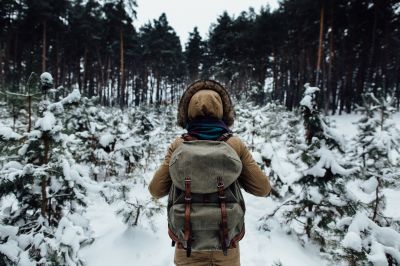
(208, 98)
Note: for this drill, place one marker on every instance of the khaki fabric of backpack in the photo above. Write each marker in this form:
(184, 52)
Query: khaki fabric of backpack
(205, 205)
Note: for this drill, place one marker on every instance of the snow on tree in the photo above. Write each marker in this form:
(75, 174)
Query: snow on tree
(135, 211)
(369, 236)
(368, 243)
(377, 145)
(267, 131)
(317, 201)
(43, 194)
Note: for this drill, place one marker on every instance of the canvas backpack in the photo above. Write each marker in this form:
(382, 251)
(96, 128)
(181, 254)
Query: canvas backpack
(205, 205)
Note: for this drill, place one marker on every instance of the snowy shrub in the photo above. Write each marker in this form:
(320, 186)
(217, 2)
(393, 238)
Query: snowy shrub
(317, 199)
(43, 190)
(370, 236)
(366, 242)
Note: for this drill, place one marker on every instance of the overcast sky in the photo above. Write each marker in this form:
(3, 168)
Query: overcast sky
(184, 15)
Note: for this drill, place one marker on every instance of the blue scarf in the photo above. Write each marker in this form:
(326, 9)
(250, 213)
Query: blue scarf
(206, 128)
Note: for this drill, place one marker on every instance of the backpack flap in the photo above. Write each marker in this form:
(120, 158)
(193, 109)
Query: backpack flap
(205, 223)
(204, 161)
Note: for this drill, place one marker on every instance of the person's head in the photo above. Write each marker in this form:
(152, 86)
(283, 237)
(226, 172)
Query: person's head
(205, 98)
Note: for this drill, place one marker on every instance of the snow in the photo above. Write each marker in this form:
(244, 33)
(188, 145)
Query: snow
(314, 195)
(352, 240)
(10, 249)
(346, 124)
(13, 165)
(392, 203)
(46, 78)
(307, 100)
(47, 122)
(327, 161)
(106, 139)
(7, 230)
(7, 133)
(363, 191)
(74, 96)
(378, 240)
(69, 235)
(148, 243)
(118, 244)
(310, 90)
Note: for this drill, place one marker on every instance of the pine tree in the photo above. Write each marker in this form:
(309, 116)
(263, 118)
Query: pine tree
(194, 55)
(317, 202)
(368, 237)
(42, 221)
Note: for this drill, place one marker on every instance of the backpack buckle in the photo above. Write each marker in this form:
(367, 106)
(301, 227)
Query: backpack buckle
(188, 198)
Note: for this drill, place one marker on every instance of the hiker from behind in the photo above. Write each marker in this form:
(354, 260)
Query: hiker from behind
(203, 173)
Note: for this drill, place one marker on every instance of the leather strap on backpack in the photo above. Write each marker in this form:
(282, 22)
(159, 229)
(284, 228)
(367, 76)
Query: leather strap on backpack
(188, 137)
(187, 229)
(223, 231)
(223, 137)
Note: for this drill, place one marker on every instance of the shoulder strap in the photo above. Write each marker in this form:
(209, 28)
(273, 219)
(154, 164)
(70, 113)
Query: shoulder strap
(188, 137)
(223, 137)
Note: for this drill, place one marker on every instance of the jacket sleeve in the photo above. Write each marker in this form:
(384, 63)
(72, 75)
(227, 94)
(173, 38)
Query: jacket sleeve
(252, 178)
(161, 182)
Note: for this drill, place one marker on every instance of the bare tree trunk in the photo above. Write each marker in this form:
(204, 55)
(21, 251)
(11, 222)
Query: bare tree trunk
(107, 101)
(151, 89)
(144, 87)
(158, 85)
(85, 69)
(372, 48)
(329, 99)
(102, 76)
(44, 45)
(2, 63)
(58, 60)
(320, 45)
(376, 200)
(122, 70)
(29, 112)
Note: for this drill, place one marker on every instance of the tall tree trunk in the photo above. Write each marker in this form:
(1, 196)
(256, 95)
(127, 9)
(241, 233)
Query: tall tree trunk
(107, 95)
(347, 97)
(329, 95)
(102, 76)
(29, 112)
(158, 85)
(85, 69)
(320, 45)
(44, 44)
(372, 47)
(122, 69)
(2, 63)
(137, 85)
(144, 84)
(16, 60)
(151, 89)
(57, 68)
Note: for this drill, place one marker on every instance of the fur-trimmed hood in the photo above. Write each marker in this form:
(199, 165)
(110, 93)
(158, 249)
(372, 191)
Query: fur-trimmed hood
(205, 98)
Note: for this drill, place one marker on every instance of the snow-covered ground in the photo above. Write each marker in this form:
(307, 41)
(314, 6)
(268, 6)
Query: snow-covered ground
(117, 244)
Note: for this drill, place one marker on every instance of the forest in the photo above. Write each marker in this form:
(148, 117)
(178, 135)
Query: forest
(88, 109)
(344, 47)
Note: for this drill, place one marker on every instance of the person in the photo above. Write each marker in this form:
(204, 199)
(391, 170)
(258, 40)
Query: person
(206, 112)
